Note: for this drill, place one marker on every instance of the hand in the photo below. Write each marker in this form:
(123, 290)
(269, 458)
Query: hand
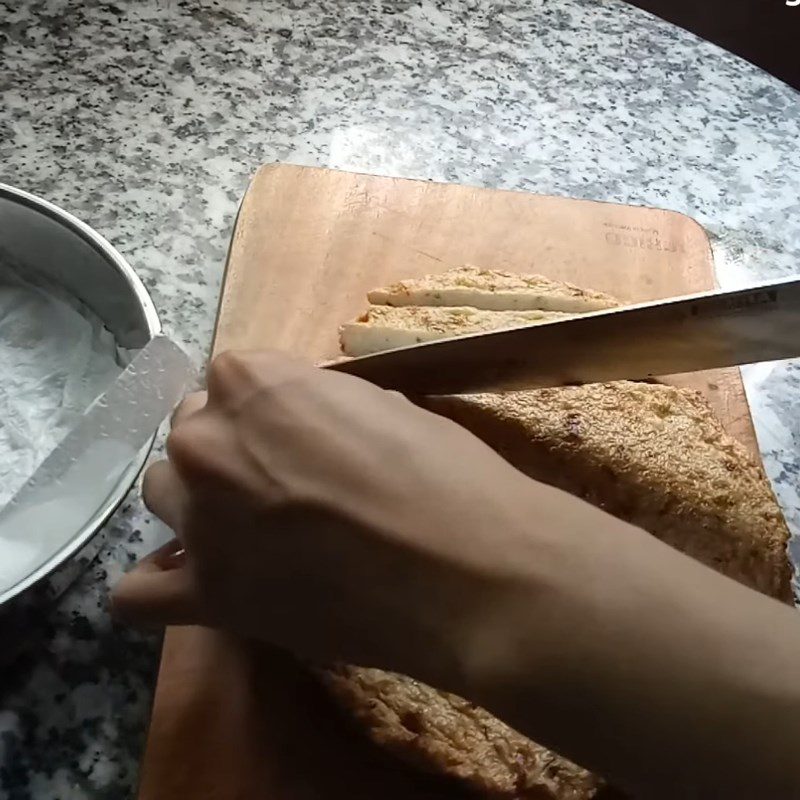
(340, 521)
(328, 516)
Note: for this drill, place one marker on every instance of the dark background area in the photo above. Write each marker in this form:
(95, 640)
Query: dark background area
(766, 32)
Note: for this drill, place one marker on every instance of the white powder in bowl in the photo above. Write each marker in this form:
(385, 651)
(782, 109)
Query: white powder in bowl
(56, 357)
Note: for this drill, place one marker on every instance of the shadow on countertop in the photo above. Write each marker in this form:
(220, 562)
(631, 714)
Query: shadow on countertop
(765, 32)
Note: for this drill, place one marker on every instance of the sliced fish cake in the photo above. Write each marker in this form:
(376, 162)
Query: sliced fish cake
(386, 327)
(650, 454)
(442, 733)
(491, 290)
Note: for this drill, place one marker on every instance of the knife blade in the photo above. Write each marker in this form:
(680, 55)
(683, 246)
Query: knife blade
(685, 334)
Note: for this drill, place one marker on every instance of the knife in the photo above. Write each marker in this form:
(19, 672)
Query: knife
(685, 334)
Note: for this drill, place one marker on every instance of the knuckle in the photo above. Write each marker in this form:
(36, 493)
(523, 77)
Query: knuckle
(189, 405)
(150, 481)
(397, 396)
(190, 449)
(180, 444)
(229, 369)
(235, 376)
(230, 361)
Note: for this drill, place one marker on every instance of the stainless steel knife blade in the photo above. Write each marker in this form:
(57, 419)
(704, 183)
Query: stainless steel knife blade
(686, 334)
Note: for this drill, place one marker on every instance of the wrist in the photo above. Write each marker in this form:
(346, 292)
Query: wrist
(556, 607)
(521, 623)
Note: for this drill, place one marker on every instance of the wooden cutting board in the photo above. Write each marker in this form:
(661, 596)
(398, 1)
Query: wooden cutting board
(235, 720)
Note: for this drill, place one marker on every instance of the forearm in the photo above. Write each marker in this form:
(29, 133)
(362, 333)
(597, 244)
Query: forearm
(391, 538)
(643, 665)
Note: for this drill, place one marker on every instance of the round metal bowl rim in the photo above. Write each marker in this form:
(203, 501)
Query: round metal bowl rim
(93, 525)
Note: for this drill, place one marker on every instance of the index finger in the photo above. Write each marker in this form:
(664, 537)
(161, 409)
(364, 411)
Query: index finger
(234, 375)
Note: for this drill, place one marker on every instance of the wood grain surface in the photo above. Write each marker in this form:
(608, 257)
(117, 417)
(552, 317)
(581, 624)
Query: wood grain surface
(234, 720)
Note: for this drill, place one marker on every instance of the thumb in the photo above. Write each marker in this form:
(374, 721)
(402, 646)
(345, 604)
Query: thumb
(159, 591)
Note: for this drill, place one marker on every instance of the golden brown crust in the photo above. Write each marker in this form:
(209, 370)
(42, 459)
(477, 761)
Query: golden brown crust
(441, 732)
(491, 289)
(650, 454)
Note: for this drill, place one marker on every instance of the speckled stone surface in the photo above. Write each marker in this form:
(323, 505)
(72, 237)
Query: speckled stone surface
(145, 118)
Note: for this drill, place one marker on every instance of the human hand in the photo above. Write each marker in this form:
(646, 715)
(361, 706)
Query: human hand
(340, 521)
(328, 516)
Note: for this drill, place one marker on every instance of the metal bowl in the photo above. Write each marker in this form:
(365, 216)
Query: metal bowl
(39, 237)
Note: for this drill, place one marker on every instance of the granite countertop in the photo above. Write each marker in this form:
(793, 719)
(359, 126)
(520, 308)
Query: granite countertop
(145, 118)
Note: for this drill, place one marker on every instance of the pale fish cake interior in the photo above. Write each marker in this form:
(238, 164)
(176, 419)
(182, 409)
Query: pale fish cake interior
(386, 327)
